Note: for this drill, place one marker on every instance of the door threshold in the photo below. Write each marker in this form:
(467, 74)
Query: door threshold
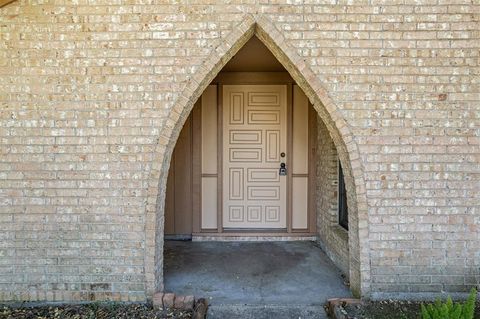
(254, 236)
(182, 237)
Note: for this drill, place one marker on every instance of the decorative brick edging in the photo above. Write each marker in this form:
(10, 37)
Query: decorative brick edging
(170, 300)
(334, 307)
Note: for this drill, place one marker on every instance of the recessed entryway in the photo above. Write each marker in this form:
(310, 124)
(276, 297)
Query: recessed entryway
(255, 162)
(252, 273)
(244, 163)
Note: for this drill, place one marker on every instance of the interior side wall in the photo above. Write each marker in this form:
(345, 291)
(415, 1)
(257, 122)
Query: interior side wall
(332, 237)
(179, 201)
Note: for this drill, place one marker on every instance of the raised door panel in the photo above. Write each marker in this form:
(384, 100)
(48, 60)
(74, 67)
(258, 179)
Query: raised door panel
(209, 203)
(300, 131)
(209, 130)
(300, 203)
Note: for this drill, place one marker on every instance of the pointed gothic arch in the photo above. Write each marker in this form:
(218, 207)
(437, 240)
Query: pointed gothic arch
(5, 2)
(339, 130)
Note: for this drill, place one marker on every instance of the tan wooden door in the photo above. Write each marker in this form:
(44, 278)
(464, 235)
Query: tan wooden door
(254, 138)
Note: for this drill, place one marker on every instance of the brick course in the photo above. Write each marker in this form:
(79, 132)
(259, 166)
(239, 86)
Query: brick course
(93, 95)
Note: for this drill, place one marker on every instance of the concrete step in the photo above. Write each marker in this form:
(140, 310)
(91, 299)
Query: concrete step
(266, 312)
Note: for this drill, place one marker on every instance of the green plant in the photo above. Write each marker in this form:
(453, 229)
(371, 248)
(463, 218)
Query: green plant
(449, 310)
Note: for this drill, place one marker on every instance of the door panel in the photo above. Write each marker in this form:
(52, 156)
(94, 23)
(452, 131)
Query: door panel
(208, 136)
(254, 136)
(300, 168)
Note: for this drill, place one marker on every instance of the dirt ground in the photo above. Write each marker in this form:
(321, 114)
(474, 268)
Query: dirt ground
(91, 311)
(390, 309)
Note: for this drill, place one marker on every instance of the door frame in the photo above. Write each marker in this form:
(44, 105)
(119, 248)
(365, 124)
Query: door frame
(253, 78)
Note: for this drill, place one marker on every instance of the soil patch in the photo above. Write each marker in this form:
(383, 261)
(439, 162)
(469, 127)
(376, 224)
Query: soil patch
(92, 311)
(389, 309)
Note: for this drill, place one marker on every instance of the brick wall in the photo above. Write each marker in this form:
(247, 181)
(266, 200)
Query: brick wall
(93, 96)
(331, 236)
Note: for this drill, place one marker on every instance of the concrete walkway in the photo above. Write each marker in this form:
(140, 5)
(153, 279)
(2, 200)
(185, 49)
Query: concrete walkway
(243, 277)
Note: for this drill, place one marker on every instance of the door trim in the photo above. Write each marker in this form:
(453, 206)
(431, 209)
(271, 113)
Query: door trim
(220, 158)
(290, 156)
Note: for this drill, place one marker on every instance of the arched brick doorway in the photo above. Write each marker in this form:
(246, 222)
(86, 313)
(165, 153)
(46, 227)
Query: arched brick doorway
(324, 106)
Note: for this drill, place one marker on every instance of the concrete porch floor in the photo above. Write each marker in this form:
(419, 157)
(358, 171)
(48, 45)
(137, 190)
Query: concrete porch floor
(252, 273)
